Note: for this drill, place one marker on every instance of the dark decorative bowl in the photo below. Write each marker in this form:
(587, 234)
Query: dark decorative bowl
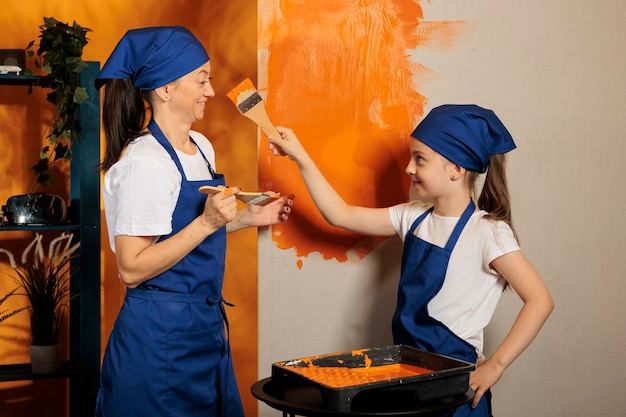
(35, 209)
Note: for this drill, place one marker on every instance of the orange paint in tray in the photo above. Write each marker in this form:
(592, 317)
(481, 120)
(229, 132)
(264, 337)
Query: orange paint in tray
(340, 377)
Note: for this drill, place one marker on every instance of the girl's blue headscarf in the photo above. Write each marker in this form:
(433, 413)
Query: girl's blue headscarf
(464, 134)
(152, 57)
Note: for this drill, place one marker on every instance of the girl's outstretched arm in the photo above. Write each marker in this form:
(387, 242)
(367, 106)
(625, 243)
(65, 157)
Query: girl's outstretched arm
(367, 221)
(538, 305)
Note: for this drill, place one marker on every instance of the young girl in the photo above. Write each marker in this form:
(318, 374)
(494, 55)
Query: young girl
(458, 255)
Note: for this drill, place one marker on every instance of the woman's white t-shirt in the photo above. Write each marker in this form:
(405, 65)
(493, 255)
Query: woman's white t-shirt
(472, 289)
(140, 191)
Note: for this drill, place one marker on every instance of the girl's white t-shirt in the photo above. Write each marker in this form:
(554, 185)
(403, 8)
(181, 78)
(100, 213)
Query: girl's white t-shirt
(472, 289)
(140, 191)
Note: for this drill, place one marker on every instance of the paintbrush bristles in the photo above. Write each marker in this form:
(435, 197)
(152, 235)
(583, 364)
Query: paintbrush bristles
(241, 92)
(250, 104)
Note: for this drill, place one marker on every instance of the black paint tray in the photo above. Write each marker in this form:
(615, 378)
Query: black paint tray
(345, 378)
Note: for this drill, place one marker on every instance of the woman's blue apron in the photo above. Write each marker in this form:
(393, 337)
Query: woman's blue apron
(168, 354)
(423, 272)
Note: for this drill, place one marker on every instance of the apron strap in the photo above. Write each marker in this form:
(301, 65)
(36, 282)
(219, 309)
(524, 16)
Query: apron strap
(160, 137)
(174, 297)
(469, 210)
(420, 219)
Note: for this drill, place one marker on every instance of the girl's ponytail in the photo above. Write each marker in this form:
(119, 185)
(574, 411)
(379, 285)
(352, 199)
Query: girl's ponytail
(123, 117)
(494, 197)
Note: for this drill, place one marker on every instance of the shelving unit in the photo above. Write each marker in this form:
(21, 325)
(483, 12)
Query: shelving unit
(83, 367)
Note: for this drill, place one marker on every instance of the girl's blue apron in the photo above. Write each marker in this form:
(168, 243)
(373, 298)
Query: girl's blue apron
(168, 353)
(423, 271)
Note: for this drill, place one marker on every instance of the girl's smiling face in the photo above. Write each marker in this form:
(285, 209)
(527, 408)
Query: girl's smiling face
(429, 171)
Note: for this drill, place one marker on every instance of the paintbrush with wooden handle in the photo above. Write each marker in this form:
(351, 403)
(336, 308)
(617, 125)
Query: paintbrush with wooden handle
(250, 197)
(250, 104)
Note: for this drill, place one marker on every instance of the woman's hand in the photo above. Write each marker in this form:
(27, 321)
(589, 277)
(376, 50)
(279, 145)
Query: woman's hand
(140, 259)
(275, 212)
(220, 208)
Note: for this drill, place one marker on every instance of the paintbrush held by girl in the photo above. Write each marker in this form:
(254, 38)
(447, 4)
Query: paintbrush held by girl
(459, 252)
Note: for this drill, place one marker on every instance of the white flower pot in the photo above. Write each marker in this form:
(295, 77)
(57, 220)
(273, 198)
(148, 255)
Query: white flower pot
(44, 359)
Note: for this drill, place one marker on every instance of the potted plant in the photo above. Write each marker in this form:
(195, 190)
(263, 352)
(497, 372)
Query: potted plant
(59, 62)
(44, 279)
(3, 313)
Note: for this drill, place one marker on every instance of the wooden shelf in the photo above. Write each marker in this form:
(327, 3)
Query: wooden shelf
(7, 79)
(83, 368)
(21, 371)
(38, 228)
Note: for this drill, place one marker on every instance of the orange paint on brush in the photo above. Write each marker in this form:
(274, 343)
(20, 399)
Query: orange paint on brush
(241, 92)
(250, 104)
(339, 74)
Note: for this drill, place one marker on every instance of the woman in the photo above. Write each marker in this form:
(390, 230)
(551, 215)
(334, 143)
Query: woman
(168, 353)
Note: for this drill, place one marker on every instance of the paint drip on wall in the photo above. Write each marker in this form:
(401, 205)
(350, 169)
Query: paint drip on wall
(339, 74)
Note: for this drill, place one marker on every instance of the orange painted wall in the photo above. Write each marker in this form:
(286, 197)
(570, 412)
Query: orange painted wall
(339, 74)
(228, 30)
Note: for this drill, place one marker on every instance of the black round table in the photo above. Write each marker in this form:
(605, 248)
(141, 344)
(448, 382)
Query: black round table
(302, 399)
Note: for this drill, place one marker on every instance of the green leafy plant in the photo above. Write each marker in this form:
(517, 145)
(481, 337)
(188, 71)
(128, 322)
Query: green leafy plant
(45, 281)
(58, 60)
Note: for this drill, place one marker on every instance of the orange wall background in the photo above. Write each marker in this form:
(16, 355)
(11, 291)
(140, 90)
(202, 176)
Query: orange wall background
(228, 30)
(341, 76)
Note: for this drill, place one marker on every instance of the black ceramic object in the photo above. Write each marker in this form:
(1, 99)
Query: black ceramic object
(35, 209)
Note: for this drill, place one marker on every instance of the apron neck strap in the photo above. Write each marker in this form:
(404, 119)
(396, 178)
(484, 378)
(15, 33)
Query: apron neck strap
(469, 210)
(160, 137)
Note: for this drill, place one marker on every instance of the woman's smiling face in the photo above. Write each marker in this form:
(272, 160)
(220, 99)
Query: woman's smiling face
(190, 93)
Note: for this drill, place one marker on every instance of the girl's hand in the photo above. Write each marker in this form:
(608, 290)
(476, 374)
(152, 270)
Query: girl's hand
(275, 212)
(484, 377)
(287, 144)
(220, 208)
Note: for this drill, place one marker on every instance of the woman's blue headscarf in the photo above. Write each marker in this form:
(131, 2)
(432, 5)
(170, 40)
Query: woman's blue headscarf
(152, 57)
(465, 134)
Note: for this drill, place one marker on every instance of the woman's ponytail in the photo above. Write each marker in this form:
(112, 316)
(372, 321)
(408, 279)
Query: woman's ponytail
(123, 117)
